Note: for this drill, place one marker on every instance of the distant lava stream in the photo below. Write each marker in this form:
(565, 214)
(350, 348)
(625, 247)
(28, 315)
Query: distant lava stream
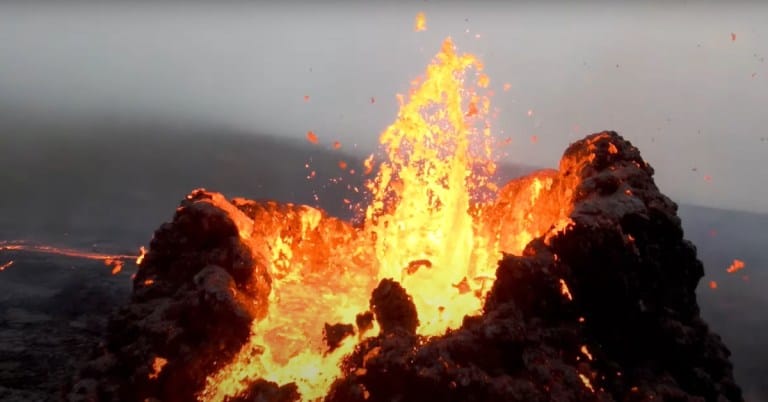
(240, 300)
(115, 261)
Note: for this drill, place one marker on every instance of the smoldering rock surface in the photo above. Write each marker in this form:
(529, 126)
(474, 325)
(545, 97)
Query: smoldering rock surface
(629, 327)
(194, 298)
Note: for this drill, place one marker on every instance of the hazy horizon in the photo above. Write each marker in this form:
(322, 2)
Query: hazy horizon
(684, 82)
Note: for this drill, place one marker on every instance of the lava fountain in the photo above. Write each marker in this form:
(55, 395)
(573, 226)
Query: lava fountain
(448, 289)
(422, 228)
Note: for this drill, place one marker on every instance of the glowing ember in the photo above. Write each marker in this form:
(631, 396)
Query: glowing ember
(565, 291)
(712, 285)
(312, 137)
(586, 382)
(737, 265)
(116, 265)
(368, 165)
(421, 22)
(142, 253)
(157, 367)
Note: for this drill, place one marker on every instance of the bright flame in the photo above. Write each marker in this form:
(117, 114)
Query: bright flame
(420, 209)
(429, 226)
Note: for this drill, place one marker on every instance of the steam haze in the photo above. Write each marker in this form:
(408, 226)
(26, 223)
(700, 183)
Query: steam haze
(667, 76)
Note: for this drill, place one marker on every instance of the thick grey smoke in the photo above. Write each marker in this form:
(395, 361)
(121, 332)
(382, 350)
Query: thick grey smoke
(685, 82)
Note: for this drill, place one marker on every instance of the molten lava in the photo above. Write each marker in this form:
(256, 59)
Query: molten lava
(429, 226)
(114, 261)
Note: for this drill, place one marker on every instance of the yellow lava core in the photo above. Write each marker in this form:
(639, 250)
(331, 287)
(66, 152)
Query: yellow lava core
(425, 227)
(420, 215)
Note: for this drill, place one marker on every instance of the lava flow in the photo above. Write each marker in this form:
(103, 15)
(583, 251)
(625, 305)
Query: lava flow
(114, 261)
(427, 227)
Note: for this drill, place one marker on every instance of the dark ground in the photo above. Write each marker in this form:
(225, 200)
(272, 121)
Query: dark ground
(109, 192)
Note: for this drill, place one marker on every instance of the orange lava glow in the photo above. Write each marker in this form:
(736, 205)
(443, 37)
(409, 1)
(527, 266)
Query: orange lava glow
(736, 265)
(435, 223)
(157, 366)
(312, 137)
(142, 253)
(115, 261)
(564, 290)
(6, 265)
(586, 382)
(421, 23)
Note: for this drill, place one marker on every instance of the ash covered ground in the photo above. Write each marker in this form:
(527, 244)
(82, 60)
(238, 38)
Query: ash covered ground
(109, 193)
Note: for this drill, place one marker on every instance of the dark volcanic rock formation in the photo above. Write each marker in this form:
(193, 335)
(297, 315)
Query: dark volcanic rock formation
(194, 298)
(632, 330)
(600, 307)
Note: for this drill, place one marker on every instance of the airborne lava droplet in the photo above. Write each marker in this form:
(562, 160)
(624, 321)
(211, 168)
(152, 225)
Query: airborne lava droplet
(737, 265)
(157, 367)
(312, 137)
(421, 22)
(142, 253)
(565, 291)
(712, 285)
(117, 265)
(586, 382)
(368, 164)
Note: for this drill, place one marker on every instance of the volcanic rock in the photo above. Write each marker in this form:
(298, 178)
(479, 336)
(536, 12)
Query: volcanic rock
(393, 308)
(262, 390)
(334, 334)
(602, 309)
(598, 306)
(195, 295)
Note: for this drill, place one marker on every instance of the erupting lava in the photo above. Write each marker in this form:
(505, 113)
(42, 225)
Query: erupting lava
(426, 227)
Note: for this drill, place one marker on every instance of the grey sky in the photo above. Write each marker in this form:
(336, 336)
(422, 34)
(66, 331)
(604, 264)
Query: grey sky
(668, 77)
